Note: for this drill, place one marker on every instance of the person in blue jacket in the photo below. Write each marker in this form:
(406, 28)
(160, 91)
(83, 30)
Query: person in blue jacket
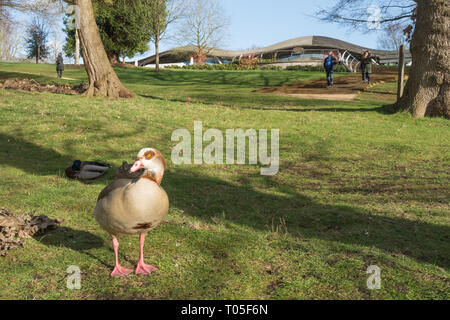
(329, 63)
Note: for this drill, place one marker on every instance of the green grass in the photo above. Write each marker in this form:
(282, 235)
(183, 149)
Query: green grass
(357, 186)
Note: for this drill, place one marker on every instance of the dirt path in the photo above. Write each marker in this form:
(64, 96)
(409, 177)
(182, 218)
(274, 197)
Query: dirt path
(346, 88)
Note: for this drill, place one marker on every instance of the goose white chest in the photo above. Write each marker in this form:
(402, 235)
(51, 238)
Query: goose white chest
(132, 207)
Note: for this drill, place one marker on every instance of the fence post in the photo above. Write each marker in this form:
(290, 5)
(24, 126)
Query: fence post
(401, 72)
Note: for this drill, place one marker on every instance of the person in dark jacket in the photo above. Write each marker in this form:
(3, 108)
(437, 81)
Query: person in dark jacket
(59, 65)
(366, 67)
(329, 63)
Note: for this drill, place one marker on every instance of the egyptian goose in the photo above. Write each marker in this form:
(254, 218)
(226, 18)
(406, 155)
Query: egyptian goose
(134, 206)
(86, 170)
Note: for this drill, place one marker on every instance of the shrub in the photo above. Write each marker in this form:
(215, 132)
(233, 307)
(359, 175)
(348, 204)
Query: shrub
(339, 68)
(248, 60)
(235, 66)
(173, 67)
(271, 68)
(229, 66)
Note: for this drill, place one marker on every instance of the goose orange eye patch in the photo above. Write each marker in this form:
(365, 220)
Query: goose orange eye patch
(149, 155)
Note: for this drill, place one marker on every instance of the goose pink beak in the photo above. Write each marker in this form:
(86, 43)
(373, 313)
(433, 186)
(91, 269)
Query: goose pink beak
(136, 166)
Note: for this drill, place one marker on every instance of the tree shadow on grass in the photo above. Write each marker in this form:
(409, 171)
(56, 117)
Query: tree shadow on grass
(385, 109)
(67, 237)
(78, 240)
(249, 79)
(38, 160)
(205, 197)
(262, 102)
(272, 102)
(30, 157)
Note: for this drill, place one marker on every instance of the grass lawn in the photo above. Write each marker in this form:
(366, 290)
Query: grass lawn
(357, 186)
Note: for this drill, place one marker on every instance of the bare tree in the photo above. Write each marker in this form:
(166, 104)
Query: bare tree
(427, 92)
(77, 48)
(56, 45)
(10, 39)
(160, 14)
(204, 26)
(392, 37)
(52, 17)
(47, 10)
(39, 7)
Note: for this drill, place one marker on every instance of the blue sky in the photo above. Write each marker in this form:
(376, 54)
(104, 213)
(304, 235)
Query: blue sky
(265, 22)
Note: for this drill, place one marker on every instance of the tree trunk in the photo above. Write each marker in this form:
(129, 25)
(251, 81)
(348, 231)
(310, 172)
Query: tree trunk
(77, 48)
(427, 92)
(103, 81)
(113, 58)
(157, 54)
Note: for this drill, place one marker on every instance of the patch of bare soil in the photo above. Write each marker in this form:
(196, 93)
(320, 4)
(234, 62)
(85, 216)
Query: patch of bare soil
(33, 85)
(345, 88)
(322, 96)
(15, 229)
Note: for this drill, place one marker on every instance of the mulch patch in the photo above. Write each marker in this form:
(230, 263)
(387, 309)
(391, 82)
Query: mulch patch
(15, 229)
(33, 85)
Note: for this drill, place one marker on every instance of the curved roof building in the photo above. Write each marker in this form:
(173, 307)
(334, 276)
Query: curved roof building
(294, 51)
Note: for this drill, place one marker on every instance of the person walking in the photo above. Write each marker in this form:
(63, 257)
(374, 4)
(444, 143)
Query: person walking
(59, 65)
(329, 63)
(366, 67)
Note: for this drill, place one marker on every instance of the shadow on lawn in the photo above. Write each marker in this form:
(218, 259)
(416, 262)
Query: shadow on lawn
(72, 239)
(272, 102)
(30, 157)
(237, 78)
(206, 197)
(385, 109)
(264, 101)
(77, 240)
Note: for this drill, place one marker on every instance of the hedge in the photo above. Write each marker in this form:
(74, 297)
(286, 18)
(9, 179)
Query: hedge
(237, 67)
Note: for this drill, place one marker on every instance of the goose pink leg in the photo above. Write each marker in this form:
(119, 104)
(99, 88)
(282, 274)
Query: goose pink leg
(141, 267)
(118, 271)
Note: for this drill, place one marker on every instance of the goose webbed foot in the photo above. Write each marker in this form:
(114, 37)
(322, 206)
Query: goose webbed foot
(143, 268)
(120, 272)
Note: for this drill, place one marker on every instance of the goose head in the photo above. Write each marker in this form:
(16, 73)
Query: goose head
(153, 163)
